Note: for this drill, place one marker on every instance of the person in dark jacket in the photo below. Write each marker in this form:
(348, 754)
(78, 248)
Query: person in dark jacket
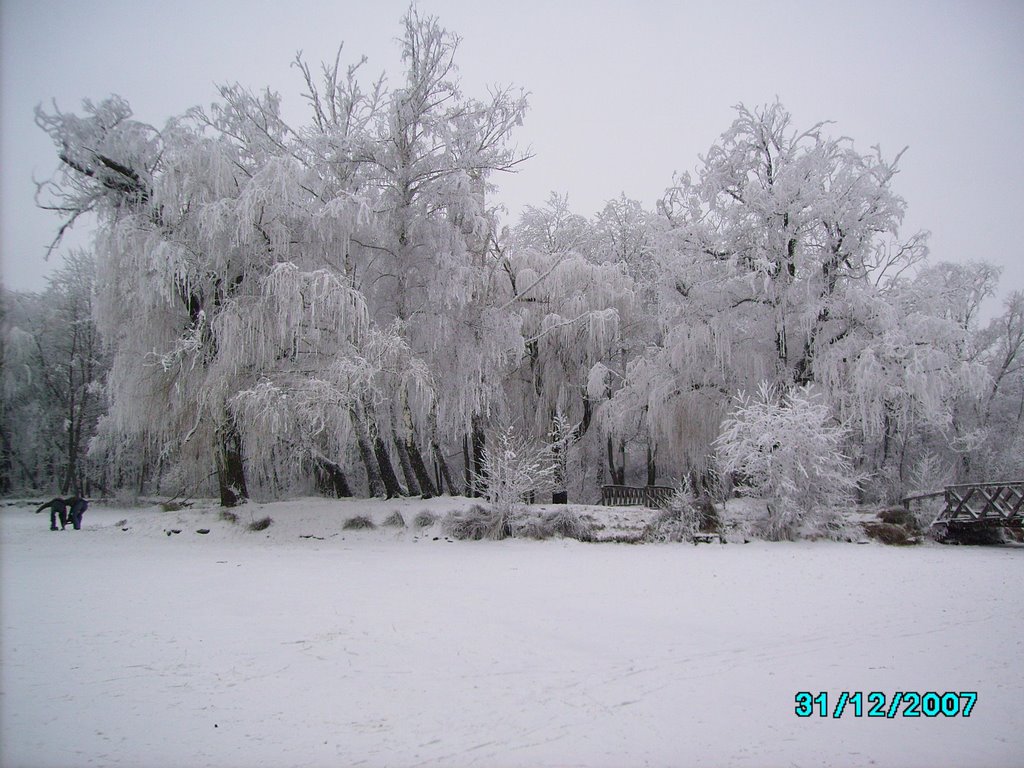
(77, 506)
(67, 510)
(58, 508)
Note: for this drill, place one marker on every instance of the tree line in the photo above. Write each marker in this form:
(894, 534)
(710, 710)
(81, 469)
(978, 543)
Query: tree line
(272, 308)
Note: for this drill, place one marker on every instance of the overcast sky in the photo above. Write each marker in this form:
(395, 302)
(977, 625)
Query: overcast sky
(623, 94)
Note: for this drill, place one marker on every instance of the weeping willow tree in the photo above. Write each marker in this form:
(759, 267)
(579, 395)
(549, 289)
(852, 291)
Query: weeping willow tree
(576, 306)
(248, 270)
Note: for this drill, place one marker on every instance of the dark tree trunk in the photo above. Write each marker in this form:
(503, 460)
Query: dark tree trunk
(230, 466)
(387, 471)
(652, 469)
(618, 474)
(479, 472)
(405, 462)
(559, 495)
(419, 467)
(374, 482)
(444, 478)
(420, 476)
(392, 487)
(467, 467)
(331, 480)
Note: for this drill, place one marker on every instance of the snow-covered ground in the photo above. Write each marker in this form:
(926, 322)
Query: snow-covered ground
(125, 646)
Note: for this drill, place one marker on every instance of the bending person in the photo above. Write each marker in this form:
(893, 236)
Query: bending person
(57, 507)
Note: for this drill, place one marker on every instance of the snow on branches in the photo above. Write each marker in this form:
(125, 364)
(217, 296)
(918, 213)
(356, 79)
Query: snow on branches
(787, 448)
(277, 297)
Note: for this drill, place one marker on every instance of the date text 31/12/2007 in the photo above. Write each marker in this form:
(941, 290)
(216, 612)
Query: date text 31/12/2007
(878, 704)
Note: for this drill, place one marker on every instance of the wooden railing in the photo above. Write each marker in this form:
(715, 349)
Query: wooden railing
(978, 503)
(653, 496)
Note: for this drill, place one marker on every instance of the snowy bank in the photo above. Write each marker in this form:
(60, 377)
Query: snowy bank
(126, 645)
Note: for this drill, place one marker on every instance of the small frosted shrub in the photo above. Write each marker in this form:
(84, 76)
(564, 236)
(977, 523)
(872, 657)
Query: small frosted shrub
(395, 520)
(476, 523)
(786, 448)
(260, 525)
(515, 469)
(683, 516)
(358, 523)
(424, 519)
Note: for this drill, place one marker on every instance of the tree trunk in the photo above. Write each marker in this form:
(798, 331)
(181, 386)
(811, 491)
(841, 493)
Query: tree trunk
(444, 478)
(652, 469)
(420, 468)
(467, 467)
(412, 450)
(406, 464)
(387, 471)
(374, 482)
(479, 473)
(392, 487)
(230, 466)
(330, 479)
(559, 494)
(618, 474)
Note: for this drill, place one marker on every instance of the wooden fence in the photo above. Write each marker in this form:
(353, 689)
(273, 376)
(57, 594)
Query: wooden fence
(653, 496)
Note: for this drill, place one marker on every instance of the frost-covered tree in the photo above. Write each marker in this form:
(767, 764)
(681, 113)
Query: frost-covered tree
(426, 251)
(573, 306)
(514, 469)
(53, 371)
(211, 243)
(787, 448)
(904, 375)
(29, 432)
(997, 444)
(263, 259)
(770, 261)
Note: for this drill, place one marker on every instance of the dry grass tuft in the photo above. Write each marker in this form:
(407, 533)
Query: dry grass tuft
(261, 525)
(395, 520)
(888, 533)
(424, 519)
(359, 523)
(476, 523)
(900, 516)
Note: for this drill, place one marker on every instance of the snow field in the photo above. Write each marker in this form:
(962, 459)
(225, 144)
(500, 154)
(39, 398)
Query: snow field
(379, 647)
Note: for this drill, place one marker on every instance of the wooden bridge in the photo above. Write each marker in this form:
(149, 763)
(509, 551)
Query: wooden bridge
(978, 504)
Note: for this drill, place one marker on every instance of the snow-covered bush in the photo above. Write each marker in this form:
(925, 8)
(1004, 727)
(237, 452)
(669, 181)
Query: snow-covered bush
(787, 449)
(684, 515)
(514, 468)
(679, 520)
